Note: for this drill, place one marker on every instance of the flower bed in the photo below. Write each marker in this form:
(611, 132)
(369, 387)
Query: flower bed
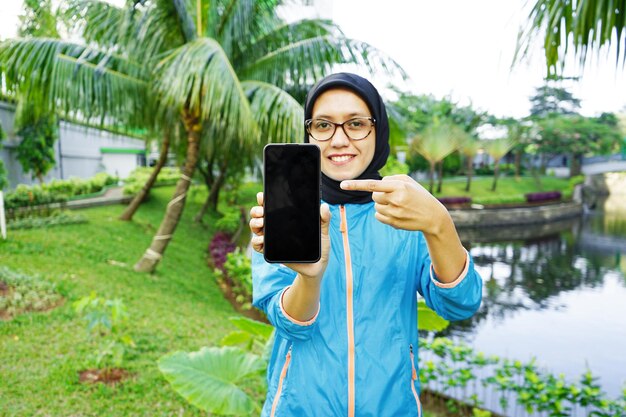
(541, 197)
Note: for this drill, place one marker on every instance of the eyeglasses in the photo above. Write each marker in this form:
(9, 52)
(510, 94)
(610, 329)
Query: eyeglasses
(357, 128)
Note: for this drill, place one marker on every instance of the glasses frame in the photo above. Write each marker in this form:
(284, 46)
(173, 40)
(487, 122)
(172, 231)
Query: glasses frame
(307, 125)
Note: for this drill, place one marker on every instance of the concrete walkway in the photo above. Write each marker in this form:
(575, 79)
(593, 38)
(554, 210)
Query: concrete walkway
(111, 196)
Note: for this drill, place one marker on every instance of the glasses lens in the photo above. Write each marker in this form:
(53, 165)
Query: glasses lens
(321, 129)
(358, 128)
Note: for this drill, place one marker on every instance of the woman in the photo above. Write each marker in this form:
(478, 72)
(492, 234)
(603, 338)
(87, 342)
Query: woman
(346, 326)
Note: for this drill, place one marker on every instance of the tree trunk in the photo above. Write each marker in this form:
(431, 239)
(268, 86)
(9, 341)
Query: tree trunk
(496, 171)
(518, 163)
(574, 168)
(214, 193)
(154, 253)
(128, 214)
(208, 181)
(440, 179)
(432, 177)
(470, 168)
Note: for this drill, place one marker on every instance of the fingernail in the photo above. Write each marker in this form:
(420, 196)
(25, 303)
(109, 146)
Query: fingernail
(345, 185)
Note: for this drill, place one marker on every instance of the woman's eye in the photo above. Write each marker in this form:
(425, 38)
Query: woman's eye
(321, 125)
(356, 123)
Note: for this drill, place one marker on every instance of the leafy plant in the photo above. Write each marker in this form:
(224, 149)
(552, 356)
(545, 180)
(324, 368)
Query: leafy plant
(236, 271)
(56, 219)
(213, 378)
(105, 319)
(20, 293)
(210, 378)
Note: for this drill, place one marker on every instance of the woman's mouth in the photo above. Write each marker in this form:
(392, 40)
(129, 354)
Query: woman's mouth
(341, 159)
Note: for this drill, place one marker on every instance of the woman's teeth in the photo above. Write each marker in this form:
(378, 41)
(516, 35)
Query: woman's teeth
(341, 158)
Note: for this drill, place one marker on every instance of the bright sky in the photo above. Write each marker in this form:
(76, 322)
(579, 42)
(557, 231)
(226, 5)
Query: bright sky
(458, 48)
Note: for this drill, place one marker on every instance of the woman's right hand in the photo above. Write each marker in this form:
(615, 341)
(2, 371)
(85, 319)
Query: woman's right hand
(306, 270)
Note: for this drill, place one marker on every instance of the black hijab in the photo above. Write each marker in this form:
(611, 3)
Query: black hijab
(331, 192)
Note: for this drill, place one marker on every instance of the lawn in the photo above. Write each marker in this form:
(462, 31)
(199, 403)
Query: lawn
(178, 308)
(508, 190)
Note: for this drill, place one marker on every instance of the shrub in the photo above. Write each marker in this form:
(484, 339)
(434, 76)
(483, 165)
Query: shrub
(56, 219)
(21, 293)
(219, 248)
(543, 196)
(454, 201)
(137, 178)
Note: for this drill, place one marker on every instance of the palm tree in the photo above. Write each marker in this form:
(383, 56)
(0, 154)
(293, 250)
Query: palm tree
(434, 143)
(469, 148)
(186, 57)
(497, 148)
(587, 24)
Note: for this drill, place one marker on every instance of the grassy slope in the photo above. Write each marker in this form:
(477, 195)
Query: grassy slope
(178, 308)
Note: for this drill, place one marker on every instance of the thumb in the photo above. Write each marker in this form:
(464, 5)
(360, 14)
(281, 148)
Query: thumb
(325, 216)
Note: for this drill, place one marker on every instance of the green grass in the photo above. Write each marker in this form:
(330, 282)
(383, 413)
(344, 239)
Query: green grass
(508, 190)
(178, 308)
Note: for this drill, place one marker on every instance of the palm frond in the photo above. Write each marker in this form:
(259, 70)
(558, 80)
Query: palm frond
(307, 60)
(99, 22)
(279, 116)
(199, 77)
(587, 25)
(75, 80)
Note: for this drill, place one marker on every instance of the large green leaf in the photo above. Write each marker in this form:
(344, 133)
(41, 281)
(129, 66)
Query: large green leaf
(210, 378)
(428, 320)
(253, 327)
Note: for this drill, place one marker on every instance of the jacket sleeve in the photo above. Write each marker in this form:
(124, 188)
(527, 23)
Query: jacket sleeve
(457, 300)
(269, 283)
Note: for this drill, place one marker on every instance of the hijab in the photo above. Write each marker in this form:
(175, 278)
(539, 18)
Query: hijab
(331, 192)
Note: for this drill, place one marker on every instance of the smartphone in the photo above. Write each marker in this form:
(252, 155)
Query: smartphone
(291, 194)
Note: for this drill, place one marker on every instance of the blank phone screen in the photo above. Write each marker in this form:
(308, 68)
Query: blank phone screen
(292, 203)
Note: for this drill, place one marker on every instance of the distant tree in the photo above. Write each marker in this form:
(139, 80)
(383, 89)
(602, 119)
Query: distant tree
(3, 172)
(577, 136)
(434, 143)
(39, 133)
(587, 25)
(497, 149)
(416, 112)
(469, 148)
(553, 99)
(38, 130)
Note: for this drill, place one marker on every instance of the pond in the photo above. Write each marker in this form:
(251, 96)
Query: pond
(556, 293)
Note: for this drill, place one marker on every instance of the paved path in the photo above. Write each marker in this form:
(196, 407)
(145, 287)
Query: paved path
(111, 196)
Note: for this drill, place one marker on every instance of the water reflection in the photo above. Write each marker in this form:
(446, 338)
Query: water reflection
(554, 292)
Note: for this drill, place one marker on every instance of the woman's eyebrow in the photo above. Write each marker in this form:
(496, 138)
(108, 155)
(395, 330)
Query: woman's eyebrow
(348, 116)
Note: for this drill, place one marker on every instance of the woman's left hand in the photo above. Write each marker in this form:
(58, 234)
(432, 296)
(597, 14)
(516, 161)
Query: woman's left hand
(403, 203)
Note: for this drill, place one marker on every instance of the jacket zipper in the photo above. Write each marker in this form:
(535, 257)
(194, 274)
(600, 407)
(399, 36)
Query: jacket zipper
(283, 373)
(413, 379)
(349, 310)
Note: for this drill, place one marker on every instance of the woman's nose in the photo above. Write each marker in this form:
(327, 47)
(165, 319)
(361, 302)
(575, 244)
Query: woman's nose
(339, 139)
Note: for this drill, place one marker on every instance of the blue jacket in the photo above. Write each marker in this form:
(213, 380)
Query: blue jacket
(357, 356)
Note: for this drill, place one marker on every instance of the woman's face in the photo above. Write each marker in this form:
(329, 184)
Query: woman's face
(342, 157)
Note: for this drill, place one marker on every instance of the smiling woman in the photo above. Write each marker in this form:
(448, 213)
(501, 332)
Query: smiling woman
(346, 326)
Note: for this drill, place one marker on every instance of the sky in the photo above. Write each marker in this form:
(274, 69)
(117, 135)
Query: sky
(451, 48)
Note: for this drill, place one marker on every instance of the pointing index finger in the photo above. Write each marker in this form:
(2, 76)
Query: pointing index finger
(369, 185)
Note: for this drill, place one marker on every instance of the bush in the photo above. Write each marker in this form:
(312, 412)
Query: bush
(219, 248)
(21, 293)
(57, 191)
(56, 219)
(543, 196)
(454, 201)
(137, 178)
(394, 167)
